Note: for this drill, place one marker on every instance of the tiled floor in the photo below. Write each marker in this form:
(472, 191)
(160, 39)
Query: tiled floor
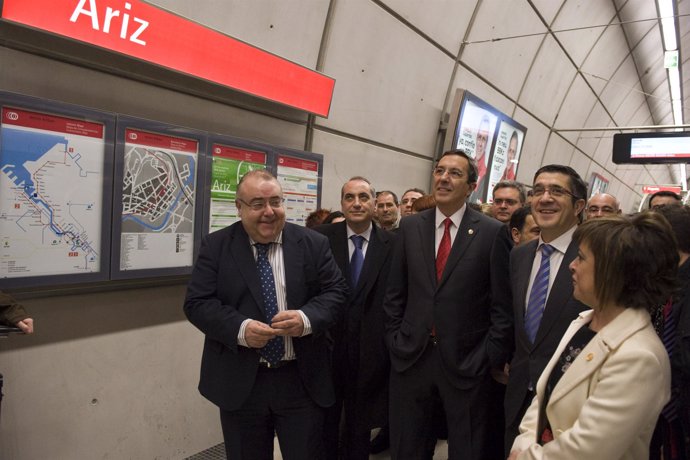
(218, 453)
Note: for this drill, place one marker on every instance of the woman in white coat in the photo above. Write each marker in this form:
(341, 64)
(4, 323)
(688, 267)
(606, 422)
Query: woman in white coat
(601, 394)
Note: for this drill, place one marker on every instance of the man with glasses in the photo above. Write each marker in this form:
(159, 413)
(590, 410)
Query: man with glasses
(449, 319)
(508, 197)
(602, 205)
(264, 292)
(542, 287)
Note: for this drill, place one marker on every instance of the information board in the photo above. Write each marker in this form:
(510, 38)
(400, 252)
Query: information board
(299, 178)
(228, 165)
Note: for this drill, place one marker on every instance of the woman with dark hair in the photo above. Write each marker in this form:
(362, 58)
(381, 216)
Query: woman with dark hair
(334, 218)
(600, 395)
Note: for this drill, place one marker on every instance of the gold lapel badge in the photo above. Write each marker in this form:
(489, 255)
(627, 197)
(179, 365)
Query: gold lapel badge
(470, 231)
(589, 357)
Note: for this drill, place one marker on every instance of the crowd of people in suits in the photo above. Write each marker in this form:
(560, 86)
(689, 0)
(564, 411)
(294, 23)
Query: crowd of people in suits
(429, 317)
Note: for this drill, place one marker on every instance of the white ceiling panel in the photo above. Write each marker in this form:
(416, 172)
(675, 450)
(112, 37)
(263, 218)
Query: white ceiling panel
(606, 56)
(580, 163)
(576, 108)
(558, 151)
(585, 16)
(444, 21)
(620, 86)
(386, 169)
(631, 12)
(494, 20)
(390, 82)
(548, 8)
(533, 148)
(547, 82)
(467, 80)
(266, 24)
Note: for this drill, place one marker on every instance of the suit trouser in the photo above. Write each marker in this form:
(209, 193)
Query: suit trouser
(411, 407)
(277, 403)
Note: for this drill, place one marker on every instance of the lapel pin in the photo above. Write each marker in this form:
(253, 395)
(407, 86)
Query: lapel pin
(470, 231)
(589, 356)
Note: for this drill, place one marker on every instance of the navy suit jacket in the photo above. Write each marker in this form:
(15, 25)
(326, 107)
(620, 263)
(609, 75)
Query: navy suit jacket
(470, 307)
(360, 348)
(560, 310)
(224, 291)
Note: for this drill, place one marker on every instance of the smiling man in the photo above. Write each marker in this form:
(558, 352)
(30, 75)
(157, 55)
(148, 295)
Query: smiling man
(264, 292)
(449, 317)
(542, 287)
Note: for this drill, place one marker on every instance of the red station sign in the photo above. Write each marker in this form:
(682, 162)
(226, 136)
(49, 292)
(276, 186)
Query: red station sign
(142, 31)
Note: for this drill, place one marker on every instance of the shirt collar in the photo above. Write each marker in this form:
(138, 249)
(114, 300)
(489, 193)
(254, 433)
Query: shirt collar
(278, 240)
(562, 242)
(456, 217)
(366, 233)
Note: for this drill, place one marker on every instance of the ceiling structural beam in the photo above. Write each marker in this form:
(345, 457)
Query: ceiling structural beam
(621, 128)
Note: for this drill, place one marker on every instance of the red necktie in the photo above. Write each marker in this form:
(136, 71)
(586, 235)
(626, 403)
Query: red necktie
(443, 249)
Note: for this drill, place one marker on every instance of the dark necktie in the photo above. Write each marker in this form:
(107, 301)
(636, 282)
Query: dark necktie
(357, 259)
(537, 296)
(274, 349)
(443, 249)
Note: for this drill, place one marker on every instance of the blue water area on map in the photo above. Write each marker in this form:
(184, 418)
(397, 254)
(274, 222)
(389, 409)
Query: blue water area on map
(18, 147)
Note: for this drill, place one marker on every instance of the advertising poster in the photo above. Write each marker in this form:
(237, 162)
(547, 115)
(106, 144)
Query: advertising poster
(299, 179)
(475, 134)
(51, 199)
(158, 194)
(506, 155)
(228, 166)
(597, 184)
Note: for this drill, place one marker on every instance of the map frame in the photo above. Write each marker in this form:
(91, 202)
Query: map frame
(125, 123)
(74, 112)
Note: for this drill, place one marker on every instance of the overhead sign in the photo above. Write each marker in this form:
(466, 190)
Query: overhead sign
(142, 31)
(649, 189)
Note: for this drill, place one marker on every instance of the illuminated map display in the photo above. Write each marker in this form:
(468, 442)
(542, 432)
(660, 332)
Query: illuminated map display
(158, 194)
(51, 194)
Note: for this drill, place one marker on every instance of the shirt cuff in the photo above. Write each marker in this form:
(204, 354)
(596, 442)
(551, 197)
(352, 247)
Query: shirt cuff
(240, 335)
(307, 324)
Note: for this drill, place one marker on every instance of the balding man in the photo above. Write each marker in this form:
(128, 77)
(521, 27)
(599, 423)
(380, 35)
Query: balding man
(265, 292)
(602, 205)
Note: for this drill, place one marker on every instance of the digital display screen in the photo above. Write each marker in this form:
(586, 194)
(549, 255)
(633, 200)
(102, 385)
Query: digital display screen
(643, 148)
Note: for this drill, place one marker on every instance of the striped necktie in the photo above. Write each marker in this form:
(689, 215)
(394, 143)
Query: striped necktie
(537, 296)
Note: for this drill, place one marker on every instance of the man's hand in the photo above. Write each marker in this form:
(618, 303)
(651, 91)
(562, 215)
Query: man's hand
(288, 322)
(257, 334)
(26, 325)
(501, 377)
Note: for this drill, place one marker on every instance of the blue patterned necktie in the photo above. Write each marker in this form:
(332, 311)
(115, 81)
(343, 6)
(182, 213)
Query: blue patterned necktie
(273, 351)
(537, 296)
(357, 260)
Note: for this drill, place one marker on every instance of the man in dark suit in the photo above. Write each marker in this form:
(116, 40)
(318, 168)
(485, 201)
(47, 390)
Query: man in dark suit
(265, 293)
(361, 364)
(449, 320)
(558, 201)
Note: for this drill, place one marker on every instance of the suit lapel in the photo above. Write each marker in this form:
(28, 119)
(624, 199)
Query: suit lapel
(427, 236)
(339, 246)
(246, 264)
(463, 238)
(376, 250)
(293, 258)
